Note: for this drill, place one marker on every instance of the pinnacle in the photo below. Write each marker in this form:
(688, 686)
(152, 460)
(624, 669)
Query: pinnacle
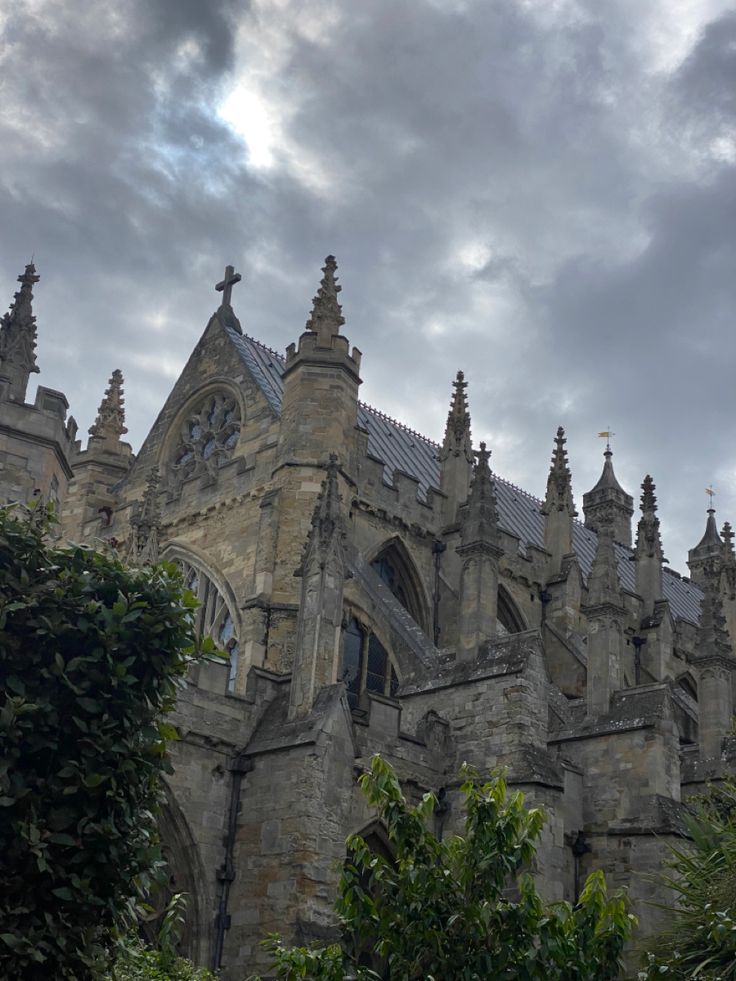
(559, 482)
(480, 521)
(326, 318)
(18, 336)
(327, 522)
(457, 439)
(110, 421)
(603, 583)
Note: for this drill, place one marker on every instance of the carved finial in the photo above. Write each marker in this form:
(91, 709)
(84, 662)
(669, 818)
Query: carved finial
(648, 541)
(559, 481)
(326, 318)
(146, 524)
(458, 441)
(110, 421)
(727, 535)
(18, 337)
(648, 499)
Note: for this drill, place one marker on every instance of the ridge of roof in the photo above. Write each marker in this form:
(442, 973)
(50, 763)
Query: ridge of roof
(399, 425)
(269, 350)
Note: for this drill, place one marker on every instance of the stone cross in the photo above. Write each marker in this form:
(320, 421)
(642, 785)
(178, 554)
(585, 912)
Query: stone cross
(226, 286)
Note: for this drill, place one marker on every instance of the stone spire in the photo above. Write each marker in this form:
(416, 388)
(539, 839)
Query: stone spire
(609, 504)
(326, 318)
(605, 613)
(715, 665)
(319, 620)
(648, 551)
(18, 340)
(705, 560)
(456, 452)
(479, 552)
(558, 508)
(109, 425)
(146, 525)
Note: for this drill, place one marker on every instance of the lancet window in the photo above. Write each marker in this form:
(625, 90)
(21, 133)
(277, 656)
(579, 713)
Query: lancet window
(366, 665)
(214, 616)
(208, 436)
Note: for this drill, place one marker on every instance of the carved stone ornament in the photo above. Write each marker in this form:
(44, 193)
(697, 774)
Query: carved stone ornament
(208, 437)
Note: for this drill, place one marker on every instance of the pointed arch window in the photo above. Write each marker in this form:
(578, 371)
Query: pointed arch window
(366, 665)
(395, 568)
(214, 618)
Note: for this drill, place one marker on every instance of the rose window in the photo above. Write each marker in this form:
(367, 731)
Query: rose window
(208, 436)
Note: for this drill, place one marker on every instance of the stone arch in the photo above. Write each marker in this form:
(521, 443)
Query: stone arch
(509, 616)
(366, 661)
(408, 586)
(186, 874)
(218, 616)
(195, 404)
(688, 683)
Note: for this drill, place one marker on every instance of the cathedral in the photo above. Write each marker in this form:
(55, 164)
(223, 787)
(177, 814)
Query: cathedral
(375, 591)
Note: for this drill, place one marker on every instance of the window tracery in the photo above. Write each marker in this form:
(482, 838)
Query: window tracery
(366, 665)
(213, 617)
(208, 436)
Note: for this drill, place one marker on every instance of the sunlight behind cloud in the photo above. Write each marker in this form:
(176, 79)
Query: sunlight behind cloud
(249, 115)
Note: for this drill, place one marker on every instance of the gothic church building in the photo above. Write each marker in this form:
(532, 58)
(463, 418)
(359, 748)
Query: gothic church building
(376, 591)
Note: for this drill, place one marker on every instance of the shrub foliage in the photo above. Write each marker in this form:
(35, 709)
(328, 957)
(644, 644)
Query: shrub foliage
(701, 940)
(442, 909)
(90, 652)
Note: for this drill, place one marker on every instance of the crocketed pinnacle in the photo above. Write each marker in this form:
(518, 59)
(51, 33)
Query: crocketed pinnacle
(603, 583)
(110, 421)
(327, 531)
(146, 524)
(648, 541)
(326, 318)
(480, 520)
(458, 441)
(559, 481)
(18, 336)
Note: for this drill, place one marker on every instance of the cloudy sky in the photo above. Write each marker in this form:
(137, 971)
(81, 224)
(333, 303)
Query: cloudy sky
(540, 192)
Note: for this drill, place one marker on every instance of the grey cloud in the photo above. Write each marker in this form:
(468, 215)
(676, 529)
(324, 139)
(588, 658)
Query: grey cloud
(539, 134)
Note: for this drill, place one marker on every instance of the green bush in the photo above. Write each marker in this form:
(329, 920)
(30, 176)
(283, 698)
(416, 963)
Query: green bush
(701, 940)
(440, 909)
(90, 653)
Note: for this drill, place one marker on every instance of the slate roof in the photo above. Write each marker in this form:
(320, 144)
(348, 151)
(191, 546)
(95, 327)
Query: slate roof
(399, 448)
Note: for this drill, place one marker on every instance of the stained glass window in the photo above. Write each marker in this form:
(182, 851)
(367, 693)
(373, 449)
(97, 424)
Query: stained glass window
(366, 665)
(214, 617)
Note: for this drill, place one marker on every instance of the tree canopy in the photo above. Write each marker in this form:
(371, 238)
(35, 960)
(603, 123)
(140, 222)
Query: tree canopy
(90, 652)
(462, 907)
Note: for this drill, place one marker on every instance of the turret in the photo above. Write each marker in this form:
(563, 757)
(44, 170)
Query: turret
(479, 552)
(705, 560)
(456, 452)
(317, 654)
(320, 405)
(648, 550)
(608, 503)
(728, 581)
(715, 664)
(559, 508)
(18, 340)
(605, 613)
